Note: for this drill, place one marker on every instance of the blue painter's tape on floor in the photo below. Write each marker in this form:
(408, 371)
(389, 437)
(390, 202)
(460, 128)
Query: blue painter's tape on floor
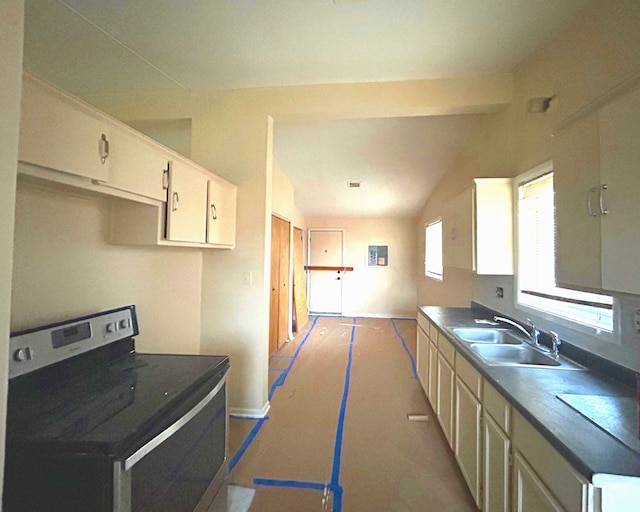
(249, 439)
(337, 451)
(278, 382)
(406, 349)
(247, 418)
(283, 376)
(292, 484)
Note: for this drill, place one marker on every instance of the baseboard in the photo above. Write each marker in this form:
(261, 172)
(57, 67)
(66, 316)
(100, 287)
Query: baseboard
(250, 413)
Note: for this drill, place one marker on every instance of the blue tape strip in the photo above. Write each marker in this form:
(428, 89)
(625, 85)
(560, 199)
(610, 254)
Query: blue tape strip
(406, 349)
(293, 484)
(278, 382)
(337, 451)
(283, 376)
(249, 439)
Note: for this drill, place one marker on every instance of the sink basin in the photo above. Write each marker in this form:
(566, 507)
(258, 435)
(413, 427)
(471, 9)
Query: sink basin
(489, 336)
(521, 355)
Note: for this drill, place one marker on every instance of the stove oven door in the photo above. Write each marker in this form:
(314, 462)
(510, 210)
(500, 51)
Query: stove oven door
(183, 467)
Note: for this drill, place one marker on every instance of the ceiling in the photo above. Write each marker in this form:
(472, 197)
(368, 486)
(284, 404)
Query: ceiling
(119, 46)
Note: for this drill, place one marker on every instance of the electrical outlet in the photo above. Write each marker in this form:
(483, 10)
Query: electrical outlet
(499, 292)
(636, 320)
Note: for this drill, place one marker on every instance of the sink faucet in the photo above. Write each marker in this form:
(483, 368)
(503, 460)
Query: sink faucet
(555, 343)
(533, 335)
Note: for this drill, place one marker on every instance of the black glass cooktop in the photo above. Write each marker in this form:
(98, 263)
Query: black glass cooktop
(108, 408)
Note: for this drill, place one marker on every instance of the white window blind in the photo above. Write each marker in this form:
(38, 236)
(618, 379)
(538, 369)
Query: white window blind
(536, 262)
(433, 250)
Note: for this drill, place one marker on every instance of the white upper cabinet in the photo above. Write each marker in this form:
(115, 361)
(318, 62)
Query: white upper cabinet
(187, 203)
(59, 132)
(163, 198)
(478, 228)
(221, 215)
(597, 180)
(138, 165)
(619, 203)
(576, 178)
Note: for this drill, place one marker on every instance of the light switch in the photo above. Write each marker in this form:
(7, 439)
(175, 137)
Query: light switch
(247, 278)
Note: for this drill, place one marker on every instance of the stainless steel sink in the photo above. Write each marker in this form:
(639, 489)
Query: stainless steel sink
(521, 355)
(487, 335)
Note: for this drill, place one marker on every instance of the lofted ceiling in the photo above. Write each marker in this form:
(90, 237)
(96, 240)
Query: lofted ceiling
(92, 47)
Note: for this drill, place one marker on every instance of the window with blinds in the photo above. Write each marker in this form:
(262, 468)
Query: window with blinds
(433, 250)
(536, 262)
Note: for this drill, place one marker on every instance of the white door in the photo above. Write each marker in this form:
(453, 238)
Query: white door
(325, 284)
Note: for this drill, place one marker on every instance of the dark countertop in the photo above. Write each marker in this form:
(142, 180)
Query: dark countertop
(532, 392)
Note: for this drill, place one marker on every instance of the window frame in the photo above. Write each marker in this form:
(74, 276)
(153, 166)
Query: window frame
(537, 310)
(439, 277)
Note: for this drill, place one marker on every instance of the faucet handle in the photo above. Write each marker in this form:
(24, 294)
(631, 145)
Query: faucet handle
(555, 343)
(535, 333)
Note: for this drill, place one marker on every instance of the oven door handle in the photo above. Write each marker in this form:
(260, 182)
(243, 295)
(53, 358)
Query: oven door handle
(134, 458)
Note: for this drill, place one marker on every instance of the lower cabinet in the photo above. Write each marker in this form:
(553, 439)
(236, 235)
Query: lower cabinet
(496, 447)
(542, 479)
(445, 390)
(432, 393)
(530, 494)
(468, 438)
(422, 356)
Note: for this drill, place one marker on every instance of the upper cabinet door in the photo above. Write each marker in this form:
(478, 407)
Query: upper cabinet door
(186, 204)
(619, 204)
(221, 214)
(478, 228)
(62, 133)
(138, 165)
(576, 178)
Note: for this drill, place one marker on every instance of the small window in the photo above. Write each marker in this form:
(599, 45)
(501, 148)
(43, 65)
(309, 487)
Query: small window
(536, 260)
(433, 250)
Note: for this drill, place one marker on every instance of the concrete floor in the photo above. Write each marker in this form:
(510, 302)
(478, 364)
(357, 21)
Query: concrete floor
(337, 437)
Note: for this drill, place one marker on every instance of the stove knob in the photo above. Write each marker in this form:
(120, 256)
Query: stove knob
(23, 354)
(125, 323)
(112, 327)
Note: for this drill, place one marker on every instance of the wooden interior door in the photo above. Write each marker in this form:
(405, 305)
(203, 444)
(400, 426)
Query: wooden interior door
(279, 295)
(299, 280)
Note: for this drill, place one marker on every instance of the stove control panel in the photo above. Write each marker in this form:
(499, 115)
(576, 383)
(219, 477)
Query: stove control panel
(39, 347)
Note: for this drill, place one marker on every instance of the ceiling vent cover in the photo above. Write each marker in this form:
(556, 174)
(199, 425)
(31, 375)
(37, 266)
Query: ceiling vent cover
(353, 184)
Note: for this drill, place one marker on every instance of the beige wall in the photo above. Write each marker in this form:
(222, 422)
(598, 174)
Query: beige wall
(11, 32)
(282, 201)
(64, 266)
(371, 290)
(596, 51)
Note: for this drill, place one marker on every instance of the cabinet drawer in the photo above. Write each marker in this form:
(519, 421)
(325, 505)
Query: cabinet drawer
(470, 376)
(424, 323)
(497, 406)
(569, 487)
(447, 350)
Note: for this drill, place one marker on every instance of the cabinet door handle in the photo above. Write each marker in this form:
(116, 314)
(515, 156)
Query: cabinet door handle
(165, 178)
(176, 202)
(590, 211)
(603, 209)
(104, 148)
(214, 212)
